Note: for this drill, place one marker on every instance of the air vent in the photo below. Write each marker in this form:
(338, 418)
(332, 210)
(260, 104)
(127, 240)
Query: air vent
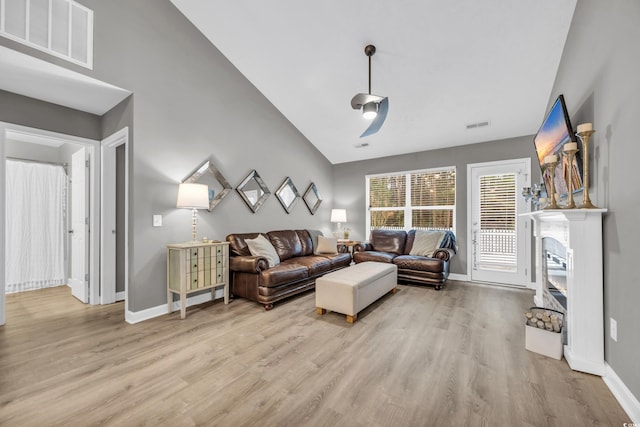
(63, 28)
(478, 125)
(364, 144)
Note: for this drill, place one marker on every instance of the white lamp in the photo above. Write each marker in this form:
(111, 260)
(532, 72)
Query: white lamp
(194, 197)
(370, 110)
(338, 215)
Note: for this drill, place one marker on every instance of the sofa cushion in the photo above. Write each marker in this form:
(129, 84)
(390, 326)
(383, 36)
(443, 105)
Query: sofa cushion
(426, 242)
(286, 272)
(338, 260)
(305, 241)
(410, 262)
(261, 246)
(238, 245)
(314, 238)
(327, 245)
(286, 242)
(375, 256)
(316, 264)
(388, 241)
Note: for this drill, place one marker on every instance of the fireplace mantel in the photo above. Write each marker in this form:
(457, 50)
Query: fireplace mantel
(580, 230)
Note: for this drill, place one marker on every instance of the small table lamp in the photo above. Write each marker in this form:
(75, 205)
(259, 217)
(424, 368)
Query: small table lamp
(338, 215)
(194, 197)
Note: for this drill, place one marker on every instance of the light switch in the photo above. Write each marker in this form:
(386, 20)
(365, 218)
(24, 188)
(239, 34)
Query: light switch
(157, 220)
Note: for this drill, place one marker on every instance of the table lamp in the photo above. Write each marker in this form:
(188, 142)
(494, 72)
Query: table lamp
(194, 197)
(338, 215)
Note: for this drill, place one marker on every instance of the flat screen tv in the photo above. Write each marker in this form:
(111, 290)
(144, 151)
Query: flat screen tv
(556, 131)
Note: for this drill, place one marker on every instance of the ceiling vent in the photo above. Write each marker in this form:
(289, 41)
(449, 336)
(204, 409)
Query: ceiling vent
(478, 125)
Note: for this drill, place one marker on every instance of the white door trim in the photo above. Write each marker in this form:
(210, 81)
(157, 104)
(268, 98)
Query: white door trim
(94, 203)
(527, 180)
(108, 293)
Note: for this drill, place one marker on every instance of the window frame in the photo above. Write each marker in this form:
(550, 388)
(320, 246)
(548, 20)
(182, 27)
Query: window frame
(407, 208)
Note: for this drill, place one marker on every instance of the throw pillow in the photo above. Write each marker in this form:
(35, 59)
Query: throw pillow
(327, 245)
(426, 242)
(261, 246)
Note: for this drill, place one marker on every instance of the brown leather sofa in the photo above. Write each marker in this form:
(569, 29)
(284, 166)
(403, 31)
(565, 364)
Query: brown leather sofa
(394, 246)
(299, 267)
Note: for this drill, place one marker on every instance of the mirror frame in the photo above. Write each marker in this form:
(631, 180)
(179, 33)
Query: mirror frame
(208, 167)
(314, 208)
(265, 191)
(288, 183)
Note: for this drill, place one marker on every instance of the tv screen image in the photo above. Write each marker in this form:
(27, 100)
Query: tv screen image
(556, 131)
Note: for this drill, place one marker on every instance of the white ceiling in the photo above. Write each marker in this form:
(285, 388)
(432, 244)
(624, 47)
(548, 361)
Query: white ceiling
(443, 65)
(35, 78)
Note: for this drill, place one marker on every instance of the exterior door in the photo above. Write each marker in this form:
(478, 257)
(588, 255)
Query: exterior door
(79, 278)
(498, 235)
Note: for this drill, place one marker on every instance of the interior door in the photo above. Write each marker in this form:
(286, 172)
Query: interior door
(79, 278)
(108, 228)
(498, 235)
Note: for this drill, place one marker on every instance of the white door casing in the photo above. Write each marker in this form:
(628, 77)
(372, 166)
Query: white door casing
(497, 255)
(78, 274)
(108, 230)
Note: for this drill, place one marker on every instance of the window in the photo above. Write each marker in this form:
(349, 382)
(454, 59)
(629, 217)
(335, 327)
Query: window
(424, 199)
(62, 28)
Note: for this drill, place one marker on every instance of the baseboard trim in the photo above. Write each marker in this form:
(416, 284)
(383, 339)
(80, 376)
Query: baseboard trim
(133, 317)
(621, 392)
(460, 277)
(120, 296)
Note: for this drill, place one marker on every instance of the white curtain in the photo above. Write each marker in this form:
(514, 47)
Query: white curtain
(34, 226)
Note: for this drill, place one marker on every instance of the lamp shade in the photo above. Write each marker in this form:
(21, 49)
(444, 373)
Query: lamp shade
(193, 196)
(338, 215)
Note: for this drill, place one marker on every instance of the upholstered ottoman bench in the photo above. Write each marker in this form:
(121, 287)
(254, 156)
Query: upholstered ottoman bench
(350, 290)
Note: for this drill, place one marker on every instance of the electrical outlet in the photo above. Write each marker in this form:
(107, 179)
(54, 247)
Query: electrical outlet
(613, 329)
(157, 220)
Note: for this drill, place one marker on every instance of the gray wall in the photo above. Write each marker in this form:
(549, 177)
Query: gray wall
(190, 104)
(349, 181)
(599, 77)
(21, 110)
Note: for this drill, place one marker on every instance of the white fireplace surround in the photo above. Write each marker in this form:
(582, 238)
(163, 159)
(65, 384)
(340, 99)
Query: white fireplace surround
(580, 231)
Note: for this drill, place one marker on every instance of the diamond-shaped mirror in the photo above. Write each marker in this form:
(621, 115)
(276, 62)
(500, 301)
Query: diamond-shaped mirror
(288, 195)
(312, 198)
(208, 174)
(253, 191)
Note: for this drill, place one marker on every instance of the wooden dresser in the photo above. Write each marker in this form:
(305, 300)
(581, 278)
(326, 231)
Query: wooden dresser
(194, 267)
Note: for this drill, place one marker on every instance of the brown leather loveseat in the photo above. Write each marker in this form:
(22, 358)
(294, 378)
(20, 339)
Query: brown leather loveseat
(394, 246)
(252, 278)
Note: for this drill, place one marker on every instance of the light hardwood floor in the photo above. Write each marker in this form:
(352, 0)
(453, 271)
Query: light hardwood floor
(415, 358)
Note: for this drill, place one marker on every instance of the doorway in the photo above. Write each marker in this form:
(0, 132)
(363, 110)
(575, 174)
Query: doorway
(498, 245)
(92, 275)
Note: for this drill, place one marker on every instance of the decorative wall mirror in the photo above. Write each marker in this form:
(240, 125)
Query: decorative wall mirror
(253, 191)
(208, 174)
(288, 195)
(312, 198)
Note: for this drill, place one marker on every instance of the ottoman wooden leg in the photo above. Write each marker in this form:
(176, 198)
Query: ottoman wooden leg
(320, 310)
(393, 291)
(352, 319)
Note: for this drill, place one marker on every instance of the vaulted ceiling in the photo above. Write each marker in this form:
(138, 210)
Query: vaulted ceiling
(443, 64)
